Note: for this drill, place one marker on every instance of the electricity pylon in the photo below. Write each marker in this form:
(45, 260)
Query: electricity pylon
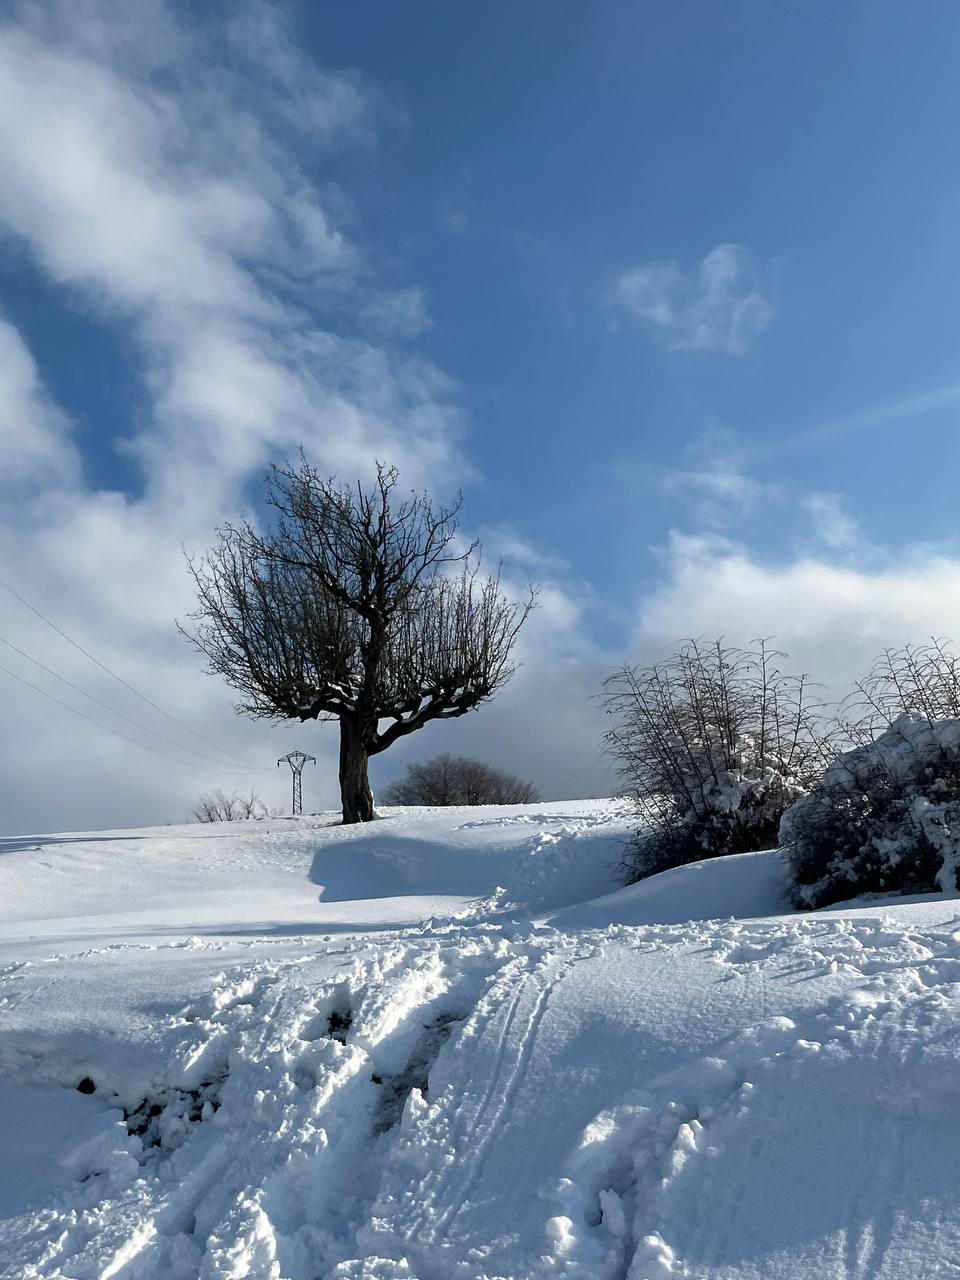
(296, 760)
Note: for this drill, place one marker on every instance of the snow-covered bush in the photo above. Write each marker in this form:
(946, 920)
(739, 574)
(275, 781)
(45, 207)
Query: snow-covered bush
(712, 744)
(884, 818)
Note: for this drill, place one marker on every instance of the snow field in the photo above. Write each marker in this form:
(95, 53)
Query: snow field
(479, 1095)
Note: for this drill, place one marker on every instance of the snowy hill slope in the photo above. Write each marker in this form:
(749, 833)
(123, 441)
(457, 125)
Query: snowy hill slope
(305, 874)
(439, 1046)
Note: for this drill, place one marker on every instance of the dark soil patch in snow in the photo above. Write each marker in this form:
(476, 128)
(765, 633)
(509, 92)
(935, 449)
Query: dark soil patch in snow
(162, 1121)
(415, 1075)
(336, 1023)
(339, 1023)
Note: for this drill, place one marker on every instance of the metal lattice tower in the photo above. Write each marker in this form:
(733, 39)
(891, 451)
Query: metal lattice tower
(296, 760)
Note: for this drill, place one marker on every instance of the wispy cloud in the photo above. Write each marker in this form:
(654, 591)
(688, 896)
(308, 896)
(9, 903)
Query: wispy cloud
(396, 312)
(832, 525)
(456, 221)
(719, 495)
(720, 305)
(716, 488)
(719, 492)
(502, 542)
(901, 410)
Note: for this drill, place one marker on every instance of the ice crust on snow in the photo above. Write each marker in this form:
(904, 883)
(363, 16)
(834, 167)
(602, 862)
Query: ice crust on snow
(444, 1046)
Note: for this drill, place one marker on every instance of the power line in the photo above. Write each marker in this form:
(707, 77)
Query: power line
(103, 666)
(122, 715)
(116, 732)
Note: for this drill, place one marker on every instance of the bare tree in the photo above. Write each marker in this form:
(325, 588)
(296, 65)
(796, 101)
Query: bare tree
(712, 745)
(449, 780)
(356, 606)
(217, 806)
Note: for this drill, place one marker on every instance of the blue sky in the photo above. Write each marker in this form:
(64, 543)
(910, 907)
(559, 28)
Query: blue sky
(576, 143)
(669, 291)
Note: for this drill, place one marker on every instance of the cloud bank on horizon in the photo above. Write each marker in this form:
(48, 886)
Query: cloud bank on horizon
(171, 190)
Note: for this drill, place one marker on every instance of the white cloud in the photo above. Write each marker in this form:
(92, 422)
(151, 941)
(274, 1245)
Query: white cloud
(832, 525)
(400, 312)
(718, 492)
(832, 618)
(163, 190)
(719, 306)
(186, 212)
(36, 454)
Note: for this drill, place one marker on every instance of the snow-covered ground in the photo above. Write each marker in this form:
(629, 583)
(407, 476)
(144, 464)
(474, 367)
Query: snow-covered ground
(442, 1047)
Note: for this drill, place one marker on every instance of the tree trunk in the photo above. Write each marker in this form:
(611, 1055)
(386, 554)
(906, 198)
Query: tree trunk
(355, 794)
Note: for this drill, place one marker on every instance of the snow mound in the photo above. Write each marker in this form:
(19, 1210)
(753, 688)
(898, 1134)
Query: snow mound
(741, 884)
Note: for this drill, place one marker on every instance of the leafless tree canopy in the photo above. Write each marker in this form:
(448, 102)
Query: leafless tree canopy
(356, 605)
(217, 806)
(451, 780)
(711, 744)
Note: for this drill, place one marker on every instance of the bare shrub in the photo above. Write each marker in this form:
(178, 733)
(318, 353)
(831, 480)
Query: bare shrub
(453, 780)
(916, 680)
(885, 817)
(712, 745)
(217, 806)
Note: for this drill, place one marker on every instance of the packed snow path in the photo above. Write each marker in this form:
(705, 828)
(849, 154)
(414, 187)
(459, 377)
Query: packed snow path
(337, 1078)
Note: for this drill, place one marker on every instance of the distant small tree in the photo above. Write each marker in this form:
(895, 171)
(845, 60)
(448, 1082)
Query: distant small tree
(712, 744)
(356, 605)
(217, 806)
(454, 780)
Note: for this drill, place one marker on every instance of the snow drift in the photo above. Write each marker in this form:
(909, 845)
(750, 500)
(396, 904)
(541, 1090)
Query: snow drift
(438, 1047)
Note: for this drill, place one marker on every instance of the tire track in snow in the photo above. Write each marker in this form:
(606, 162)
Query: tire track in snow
(393, 1041)
(514, 973)
(489, 1122)
(443, 1181)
